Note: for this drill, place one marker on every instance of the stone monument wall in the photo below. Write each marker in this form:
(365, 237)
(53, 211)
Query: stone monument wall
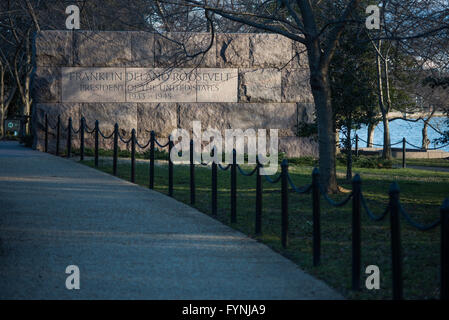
(147, 81)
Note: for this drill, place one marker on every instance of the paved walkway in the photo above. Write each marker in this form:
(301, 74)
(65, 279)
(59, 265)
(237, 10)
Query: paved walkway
(129, 242)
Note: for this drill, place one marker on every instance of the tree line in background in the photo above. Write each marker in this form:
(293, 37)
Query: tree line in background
(357, 76)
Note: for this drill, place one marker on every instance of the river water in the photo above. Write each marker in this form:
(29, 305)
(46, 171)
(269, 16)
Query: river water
(410, 130)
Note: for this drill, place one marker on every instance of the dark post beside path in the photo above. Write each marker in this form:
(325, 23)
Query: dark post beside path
(234, 187)
(151, 160)
(58, 134)
(356, 145)
(115, 152)
(82, 129)
(444, 291)
(403, 152)
(170, 168)
(258, 224)
(96, 142)
(356, 226)
(46, 133)
(214, 183)
(284, 192)
(192, 174)
(395, 241)
(133, 155)
(69, 138)
(316, 217)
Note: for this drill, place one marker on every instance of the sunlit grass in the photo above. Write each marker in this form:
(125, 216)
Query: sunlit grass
(422, 193)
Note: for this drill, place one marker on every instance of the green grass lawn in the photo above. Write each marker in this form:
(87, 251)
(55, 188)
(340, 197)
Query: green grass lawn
(425, 162)
(422, 193)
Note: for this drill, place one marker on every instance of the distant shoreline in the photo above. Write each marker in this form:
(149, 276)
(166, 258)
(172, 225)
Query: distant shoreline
(414, 115)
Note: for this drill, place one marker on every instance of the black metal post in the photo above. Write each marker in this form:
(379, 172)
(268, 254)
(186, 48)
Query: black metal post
(151, 160)
(214, 183)
(115, 154)
(133, 155)
(356, 226)
(356, 145)
(284, 194)
(316, 217)
(96, 142)
(82, 129)
(170, 168)
(46, 134)
(403, 152)
(192, 174)
(58, 134)
(234, 187)
(395, 241)
(444, 290)
(69, 138)
(258, 224)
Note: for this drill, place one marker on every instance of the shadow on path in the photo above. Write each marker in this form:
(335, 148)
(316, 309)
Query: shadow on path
(129, 242)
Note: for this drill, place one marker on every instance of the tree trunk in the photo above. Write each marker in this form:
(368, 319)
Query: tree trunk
(370, 135)
(386, 151)
(337, 138)
(2, 124)
(349, 154)
(326, 133)
(28, 114)
(23, 73)
(27, 85)
(425, 138)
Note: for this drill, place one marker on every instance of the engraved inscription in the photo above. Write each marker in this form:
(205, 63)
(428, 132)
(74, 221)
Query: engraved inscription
(160, 85)
(149, 85)
(217, 85)
(93, 84)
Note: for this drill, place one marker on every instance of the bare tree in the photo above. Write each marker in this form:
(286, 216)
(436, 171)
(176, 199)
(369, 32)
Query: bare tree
(319, 25)
(7, 90)
(302, 22)
(19, 20)
(419, 30)
(430, 101)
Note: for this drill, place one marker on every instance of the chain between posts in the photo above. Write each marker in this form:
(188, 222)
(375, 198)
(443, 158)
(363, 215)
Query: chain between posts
(162, 145)
(379, 145)
(358, 201)
(224, 168)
